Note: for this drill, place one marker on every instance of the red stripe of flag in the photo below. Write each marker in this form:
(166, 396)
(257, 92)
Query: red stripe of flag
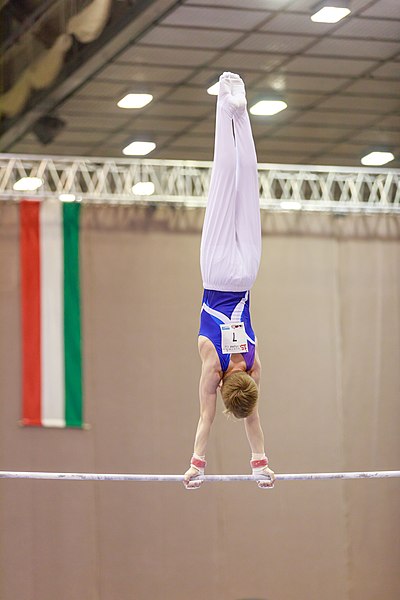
(30, 304)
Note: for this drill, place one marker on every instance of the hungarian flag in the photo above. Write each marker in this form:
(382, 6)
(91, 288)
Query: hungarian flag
(51, 320)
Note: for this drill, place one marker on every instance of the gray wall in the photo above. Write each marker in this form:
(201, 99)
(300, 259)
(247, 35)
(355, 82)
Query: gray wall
(326, 311)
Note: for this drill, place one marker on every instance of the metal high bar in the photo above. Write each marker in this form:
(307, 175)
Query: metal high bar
(219, 478)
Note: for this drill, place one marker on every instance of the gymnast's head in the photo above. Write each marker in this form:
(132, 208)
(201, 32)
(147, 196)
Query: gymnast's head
(240, 394)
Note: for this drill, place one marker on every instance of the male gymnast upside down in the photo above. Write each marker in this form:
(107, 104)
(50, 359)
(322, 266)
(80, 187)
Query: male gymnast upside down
(229, 258)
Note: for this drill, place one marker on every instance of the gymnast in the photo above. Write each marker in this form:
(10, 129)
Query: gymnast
(229, 258)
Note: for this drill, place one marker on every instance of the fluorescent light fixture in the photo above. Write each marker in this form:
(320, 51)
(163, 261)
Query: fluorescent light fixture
(67, 197)
(135, 100)
(377, 159)
(143, 188)
(139, 148)
(330, 14)
(268, 107)
(28, 184)
(330, 11)
(213, 90)
(290, 205)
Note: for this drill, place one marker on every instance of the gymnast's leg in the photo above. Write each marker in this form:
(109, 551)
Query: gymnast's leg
(248, 222)
(218, 247)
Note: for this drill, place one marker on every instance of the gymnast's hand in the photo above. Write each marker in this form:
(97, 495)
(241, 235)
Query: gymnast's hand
(189, 481)
(261, 469)
(267, 483)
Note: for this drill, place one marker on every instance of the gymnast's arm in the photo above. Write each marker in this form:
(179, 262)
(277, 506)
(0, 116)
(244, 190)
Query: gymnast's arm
(209, 382)
(252, 423)
(253, 427)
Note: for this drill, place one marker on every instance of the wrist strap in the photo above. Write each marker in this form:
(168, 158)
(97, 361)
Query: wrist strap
(257, 464)
(198, 463)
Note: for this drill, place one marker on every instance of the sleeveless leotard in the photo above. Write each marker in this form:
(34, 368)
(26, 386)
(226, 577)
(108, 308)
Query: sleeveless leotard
(226, 307)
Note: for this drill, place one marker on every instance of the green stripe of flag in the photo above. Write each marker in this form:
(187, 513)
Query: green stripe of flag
(72, 317)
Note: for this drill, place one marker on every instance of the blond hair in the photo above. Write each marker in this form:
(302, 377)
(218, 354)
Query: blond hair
(240, 394)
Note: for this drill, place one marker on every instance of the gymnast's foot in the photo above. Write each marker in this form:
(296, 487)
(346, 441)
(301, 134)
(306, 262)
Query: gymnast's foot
(238, 87)
(232, 94)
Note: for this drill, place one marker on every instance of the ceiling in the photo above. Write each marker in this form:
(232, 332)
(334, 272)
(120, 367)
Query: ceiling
(341, 83)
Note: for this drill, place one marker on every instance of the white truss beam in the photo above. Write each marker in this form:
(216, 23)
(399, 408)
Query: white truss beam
(185, 183)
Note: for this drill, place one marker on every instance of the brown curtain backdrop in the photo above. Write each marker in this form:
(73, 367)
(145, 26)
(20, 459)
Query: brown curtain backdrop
(326, 312)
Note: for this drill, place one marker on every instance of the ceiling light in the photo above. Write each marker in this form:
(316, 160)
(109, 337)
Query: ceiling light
(330, 11)
(135, 100)
(67, 197)
(268, 107)
(139, 148)
(28, 184)
(143, 188)
(213, 90)
(377, 159)
(330, 14)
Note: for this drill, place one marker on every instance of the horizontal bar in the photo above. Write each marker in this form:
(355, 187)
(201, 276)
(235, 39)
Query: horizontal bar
(151, 477)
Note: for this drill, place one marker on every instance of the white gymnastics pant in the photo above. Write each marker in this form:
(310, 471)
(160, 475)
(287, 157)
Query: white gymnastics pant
(231, 240)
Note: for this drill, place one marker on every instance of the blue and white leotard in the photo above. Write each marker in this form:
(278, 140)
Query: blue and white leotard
(226, 307)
